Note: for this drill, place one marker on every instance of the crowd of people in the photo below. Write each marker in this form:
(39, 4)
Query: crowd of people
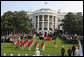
(71, 38)
(11, 37)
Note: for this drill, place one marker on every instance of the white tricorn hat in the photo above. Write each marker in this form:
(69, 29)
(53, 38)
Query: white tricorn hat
(37, 48)
(11, 54)
(26, 54)
(4, 54)
(18, 54)
(62, 46)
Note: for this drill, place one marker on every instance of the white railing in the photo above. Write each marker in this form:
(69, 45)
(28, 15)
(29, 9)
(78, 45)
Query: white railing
(45, 11)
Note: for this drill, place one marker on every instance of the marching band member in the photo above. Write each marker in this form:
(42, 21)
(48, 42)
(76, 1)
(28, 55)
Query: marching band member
(37, 53)
(55, 44)
(43, 46)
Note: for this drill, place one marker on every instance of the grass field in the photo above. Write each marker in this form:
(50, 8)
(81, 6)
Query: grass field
(49, 48)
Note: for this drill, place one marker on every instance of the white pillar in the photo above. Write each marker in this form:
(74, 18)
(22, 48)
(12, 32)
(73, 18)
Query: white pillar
(48, 22)
(34, 23)
(43, 23)
(38, 22)
(56, 21)
(52, 21)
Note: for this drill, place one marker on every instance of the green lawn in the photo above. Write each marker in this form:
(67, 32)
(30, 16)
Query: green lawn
(49, 48)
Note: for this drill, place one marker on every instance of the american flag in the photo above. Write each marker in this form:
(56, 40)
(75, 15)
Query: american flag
(46, 3)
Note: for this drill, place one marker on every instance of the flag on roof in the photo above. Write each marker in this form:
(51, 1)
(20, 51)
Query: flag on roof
(46, 3)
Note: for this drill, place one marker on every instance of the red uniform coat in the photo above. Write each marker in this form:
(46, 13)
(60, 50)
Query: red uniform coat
(30, 43)
(42, 44)
(18, 43)
(13, 42)
(36, 43)
(21, 44)
(25, 42)
(21, 41)
(54, 42)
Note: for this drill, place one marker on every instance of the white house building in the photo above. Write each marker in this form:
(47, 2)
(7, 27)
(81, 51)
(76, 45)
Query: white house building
(46, 20)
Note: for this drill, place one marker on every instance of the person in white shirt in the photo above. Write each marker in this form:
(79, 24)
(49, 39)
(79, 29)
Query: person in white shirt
(37, 53)
(76, 52)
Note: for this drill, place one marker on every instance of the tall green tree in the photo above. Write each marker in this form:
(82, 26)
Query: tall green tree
(6, 21)
(79, 24)
(22, 21)
(73, 23)
(15, 21)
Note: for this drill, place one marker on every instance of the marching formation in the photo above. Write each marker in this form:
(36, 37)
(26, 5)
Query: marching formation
(27, 43)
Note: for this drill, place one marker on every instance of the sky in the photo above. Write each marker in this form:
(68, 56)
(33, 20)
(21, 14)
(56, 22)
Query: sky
(64, 6)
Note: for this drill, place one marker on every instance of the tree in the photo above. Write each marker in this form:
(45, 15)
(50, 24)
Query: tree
(79, 26)
(16, 21)
(22, 21)
(6, 21)
(73, 23)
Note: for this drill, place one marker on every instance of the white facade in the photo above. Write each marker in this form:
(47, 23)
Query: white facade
(46, 20)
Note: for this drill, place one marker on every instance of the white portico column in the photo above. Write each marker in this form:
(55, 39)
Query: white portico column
(52, 22)
(56, 21)
(38, 22)
(43, 23)
(48, 22)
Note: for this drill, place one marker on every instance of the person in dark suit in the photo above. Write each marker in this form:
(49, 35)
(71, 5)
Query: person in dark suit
(62, 50)
(73, 49)
(69, 51)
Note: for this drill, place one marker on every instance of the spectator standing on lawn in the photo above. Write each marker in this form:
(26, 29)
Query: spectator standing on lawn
(77, 52)
(69, 51)
(62, 50)
(73, 49)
